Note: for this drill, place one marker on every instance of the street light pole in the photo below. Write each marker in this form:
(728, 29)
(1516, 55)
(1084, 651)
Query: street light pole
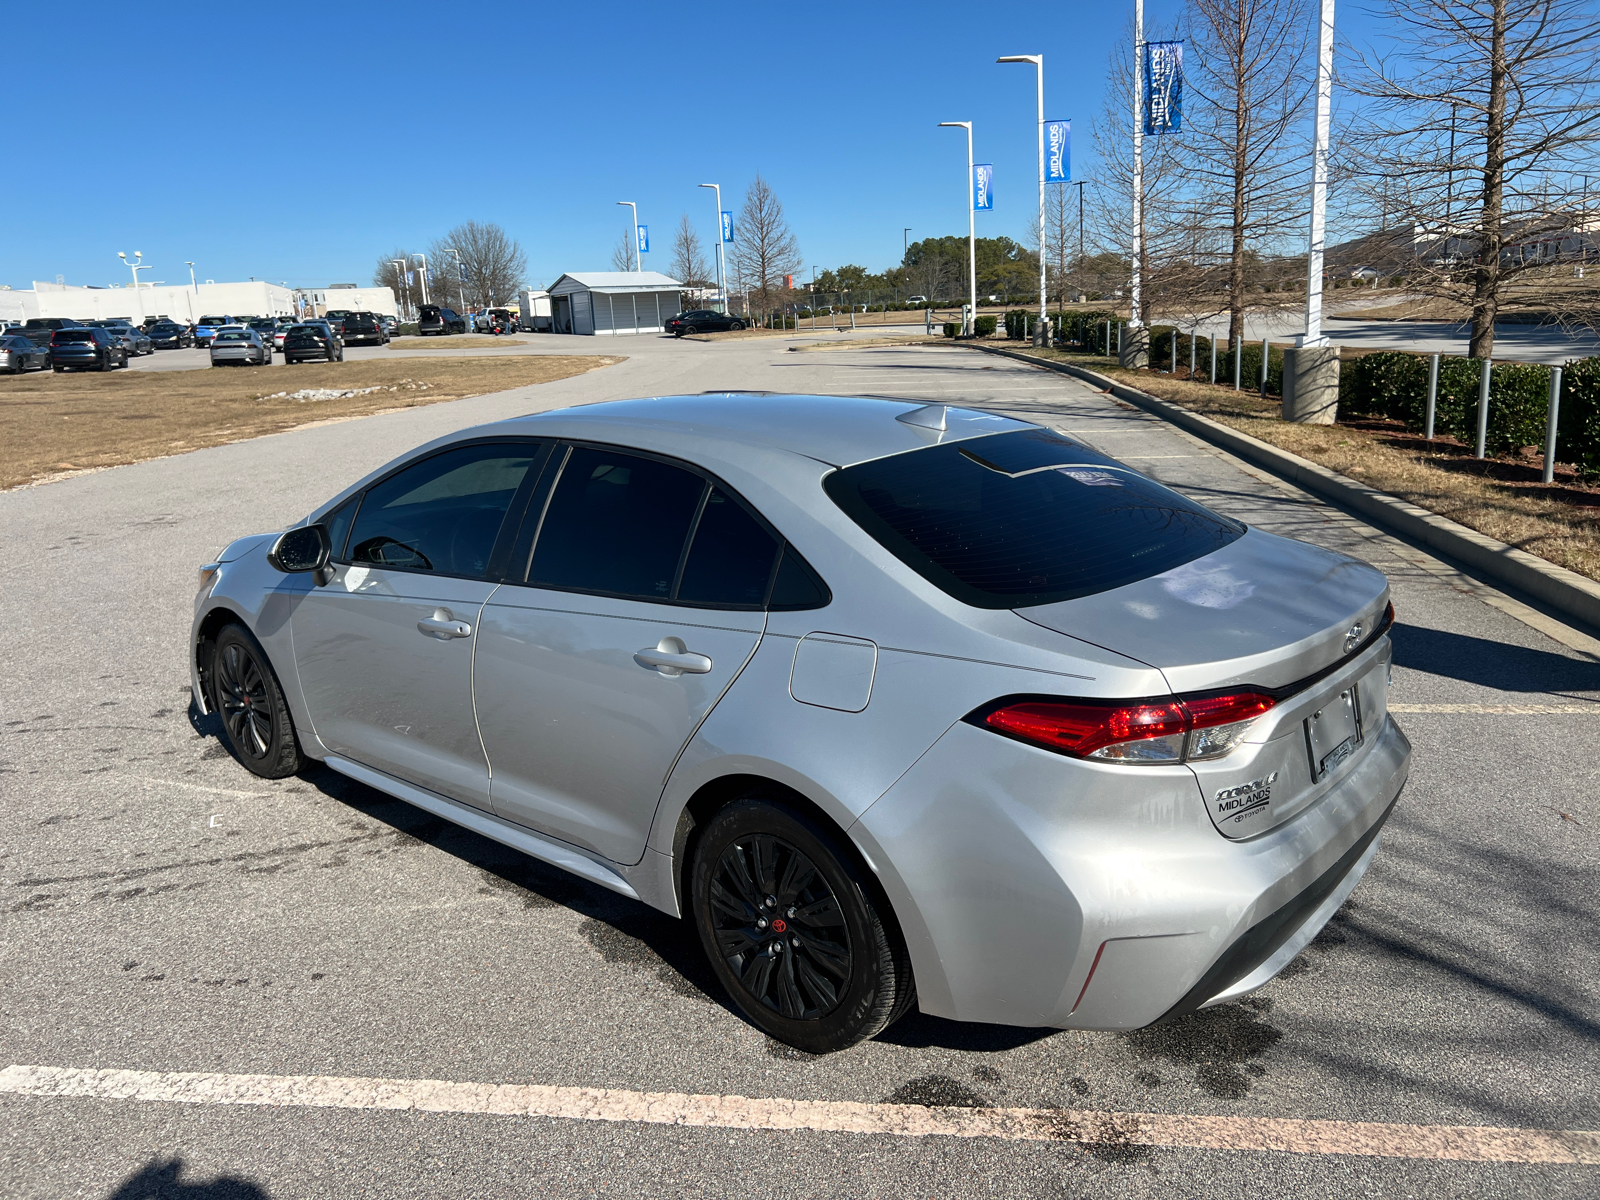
(1313, 335)
(1135, 309)
(461, 283)
(638, 264)
(423, 277)
(135, 266)
(971, 323)
(1041, 336)
(400, 278)
(1079, 186)
(722, 266)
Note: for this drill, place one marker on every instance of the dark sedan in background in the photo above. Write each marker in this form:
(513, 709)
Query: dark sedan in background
(702, 320)
(311, 340)
(169, 335)
(86, 348)
(365, 328)
(19, 354)
(438, 320)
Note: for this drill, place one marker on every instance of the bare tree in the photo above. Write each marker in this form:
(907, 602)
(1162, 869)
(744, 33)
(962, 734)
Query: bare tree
(496, 267)
(1500, 93)
(1248, 88)
(622, 253)
(688, 258)
(389, 273)
(764, 250)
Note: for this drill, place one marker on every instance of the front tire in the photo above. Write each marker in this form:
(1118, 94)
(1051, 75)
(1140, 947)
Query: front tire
(255, 716)
(736, 326)
(796, 929)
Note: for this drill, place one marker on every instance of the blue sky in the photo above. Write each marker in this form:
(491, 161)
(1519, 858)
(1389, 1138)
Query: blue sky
(299, 145)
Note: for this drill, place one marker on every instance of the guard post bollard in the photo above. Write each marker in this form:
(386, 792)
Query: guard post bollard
(1238, 361)
(1266, 357)
(1213, 358)
(1483, 410)
(1433, 396)
(1550, 425)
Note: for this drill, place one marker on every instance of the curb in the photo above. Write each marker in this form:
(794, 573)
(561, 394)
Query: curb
(1565, 591)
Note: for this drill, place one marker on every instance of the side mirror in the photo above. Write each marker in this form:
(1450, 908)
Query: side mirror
(304, 549)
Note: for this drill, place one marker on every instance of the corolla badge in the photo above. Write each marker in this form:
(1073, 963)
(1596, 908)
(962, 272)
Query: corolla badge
(1353, 638)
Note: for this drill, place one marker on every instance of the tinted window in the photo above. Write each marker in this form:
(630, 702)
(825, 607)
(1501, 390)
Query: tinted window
(616, 524)
(443, 513)
(1025, 518)
(74, 335)
(338, 523)
(731, 558)
(229, 336)
(797, 586)
(213, 320)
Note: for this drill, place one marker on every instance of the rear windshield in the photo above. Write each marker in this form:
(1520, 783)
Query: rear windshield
(214, 321)
(1025, 518)
(233, 336)
(74, 335)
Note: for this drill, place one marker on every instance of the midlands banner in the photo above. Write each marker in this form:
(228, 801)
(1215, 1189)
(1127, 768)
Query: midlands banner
(644, 239)
(982, 185)
(727, 226)
(1058, 151)
(1163, 87)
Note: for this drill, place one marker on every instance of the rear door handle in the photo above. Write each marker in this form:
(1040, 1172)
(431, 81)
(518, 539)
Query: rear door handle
(442, 626)
(671, 657)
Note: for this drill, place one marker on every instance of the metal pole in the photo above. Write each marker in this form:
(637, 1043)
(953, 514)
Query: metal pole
(1213, 358)
(461, 284)
(637, 264)
(1433, 396)
(1174, 350)
(1040, 336)
(1313, 335)
(1483, 409)
(1266, 355)
(423, 276)
(970, 320)
(1138, 162)
(1191, 354)
(722, 283)
(1550, 426)
(1238, 360)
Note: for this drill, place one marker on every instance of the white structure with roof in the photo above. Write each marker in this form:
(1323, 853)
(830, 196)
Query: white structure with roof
(614, 302)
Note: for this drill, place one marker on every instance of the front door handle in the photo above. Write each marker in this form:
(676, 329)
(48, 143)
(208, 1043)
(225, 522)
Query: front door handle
(671, 657)
(442, 626)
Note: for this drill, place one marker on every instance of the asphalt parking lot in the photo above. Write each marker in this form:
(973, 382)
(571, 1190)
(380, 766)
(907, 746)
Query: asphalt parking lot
(162, 911)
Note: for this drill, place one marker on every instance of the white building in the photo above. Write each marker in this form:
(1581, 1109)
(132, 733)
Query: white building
(181, 302)
(614, 302)
(354, 299)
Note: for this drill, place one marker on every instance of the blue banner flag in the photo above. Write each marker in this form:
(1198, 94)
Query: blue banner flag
(461, 270)
(727, 226)
(411, 279)
(644, 239)
(982, 185)
(1058, 151)
(1163, 87)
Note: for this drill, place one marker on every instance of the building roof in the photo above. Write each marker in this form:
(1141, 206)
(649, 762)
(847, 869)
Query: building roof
(615, 281)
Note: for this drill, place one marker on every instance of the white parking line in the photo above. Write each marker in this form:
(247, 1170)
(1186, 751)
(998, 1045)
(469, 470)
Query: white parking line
(1516, 710)
(197, 787)
(1461, 1143)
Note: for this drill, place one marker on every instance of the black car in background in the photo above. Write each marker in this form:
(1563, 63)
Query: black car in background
(702, 320)
(86, 348)
(169, 335)
(438, 320)
(365, 328)
(39, 330)
(313, 339)
(19, 354)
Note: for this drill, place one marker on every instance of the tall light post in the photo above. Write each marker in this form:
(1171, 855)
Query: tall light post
(1136, 314)
(972, 233)
(423, 277)
(461, 278)
(400, 278)
(136, 266)
(1041, 331)
(1311, 368)
(722, 266)
(1079, 186)
(638, 264)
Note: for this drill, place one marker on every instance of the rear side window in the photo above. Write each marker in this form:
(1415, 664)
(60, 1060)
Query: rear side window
(441, 514)
(731, 559)
(1025, 518)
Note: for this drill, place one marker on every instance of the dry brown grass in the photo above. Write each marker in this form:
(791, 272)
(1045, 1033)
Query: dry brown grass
(458, 341)
(1426, 308)
(860, 343)
(1503, 497)
(50, 424)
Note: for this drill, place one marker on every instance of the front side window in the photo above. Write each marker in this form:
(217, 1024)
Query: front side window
(441, 514)
(1025, 518)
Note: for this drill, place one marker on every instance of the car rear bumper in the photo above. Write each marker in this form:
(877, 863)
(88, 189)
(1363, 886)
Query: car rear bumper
(1039, 890)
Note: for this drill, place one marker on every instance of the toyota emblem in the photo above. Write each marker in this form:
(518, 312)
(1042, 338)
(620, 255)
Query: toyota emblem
(1353, 638)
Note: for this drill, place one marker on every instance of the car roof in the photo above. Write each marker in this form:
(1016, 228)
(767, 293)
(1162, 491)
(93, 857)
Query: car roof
(836, 430)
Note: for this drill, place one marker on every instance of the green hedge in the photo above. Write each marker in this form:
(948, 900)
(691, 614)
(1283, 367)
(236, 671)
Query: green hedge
(984, 326)
(1394, 384)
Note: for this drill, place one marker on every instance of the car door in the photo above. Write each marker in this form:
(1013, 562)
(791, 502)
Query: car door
(643, 600)
(385, 651)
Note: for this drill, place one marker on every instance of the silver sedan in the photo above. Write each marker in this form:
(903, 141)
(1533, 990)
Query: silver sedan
(900, 705)
(234, 347)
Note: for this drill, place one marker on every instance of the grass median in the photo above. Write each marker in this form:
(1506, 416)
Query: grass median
(1503, 497)
(52, 424)
(457, 341)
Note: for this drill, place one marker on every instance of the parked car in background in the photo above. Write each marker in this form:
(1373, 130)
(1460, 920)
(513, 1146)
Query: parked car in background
(335, 317)
(280, 329)
(917, 300)
(438, 320)
(496, 320)
(40, 330)
(362, 328)
(312, 340)
(19, 354)
(240, 347)
(205, 327)
(169, 335)
(86, 348)
(702, 320)
(391, 325)
(134, 339)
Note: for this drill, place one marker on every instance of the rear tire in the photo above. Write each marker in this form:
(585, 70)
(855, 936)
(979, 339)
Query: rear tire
(736, 326)
(796, 928)
(255, 717)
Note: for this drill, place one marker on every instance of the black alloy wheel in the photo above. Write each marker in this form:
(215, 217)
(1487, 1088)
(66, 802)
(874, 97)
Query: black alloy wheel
(796, 928)
(255, 716)
(689, 329)
(736, 326)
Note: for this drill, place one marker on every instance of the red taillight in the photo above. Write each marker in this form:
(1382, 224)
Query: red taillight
(1150, 731)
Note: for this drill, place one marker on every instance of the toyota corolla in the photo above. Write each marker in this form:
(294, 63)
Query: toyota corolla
(901, 705)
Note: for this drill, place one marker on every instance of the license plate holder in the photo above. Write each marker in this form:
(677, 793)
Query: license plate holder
(1333, 732)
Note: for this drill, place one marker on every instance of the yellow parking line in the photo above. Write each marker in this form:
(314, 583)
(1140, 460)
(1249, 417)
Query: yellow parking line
(1461, 1143)
(1526, 710)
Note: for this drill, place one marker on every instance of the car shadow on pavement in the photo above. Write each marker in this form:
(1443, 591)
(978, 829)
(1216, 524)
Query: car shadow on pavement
(1498, 665)
(161, 1179)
